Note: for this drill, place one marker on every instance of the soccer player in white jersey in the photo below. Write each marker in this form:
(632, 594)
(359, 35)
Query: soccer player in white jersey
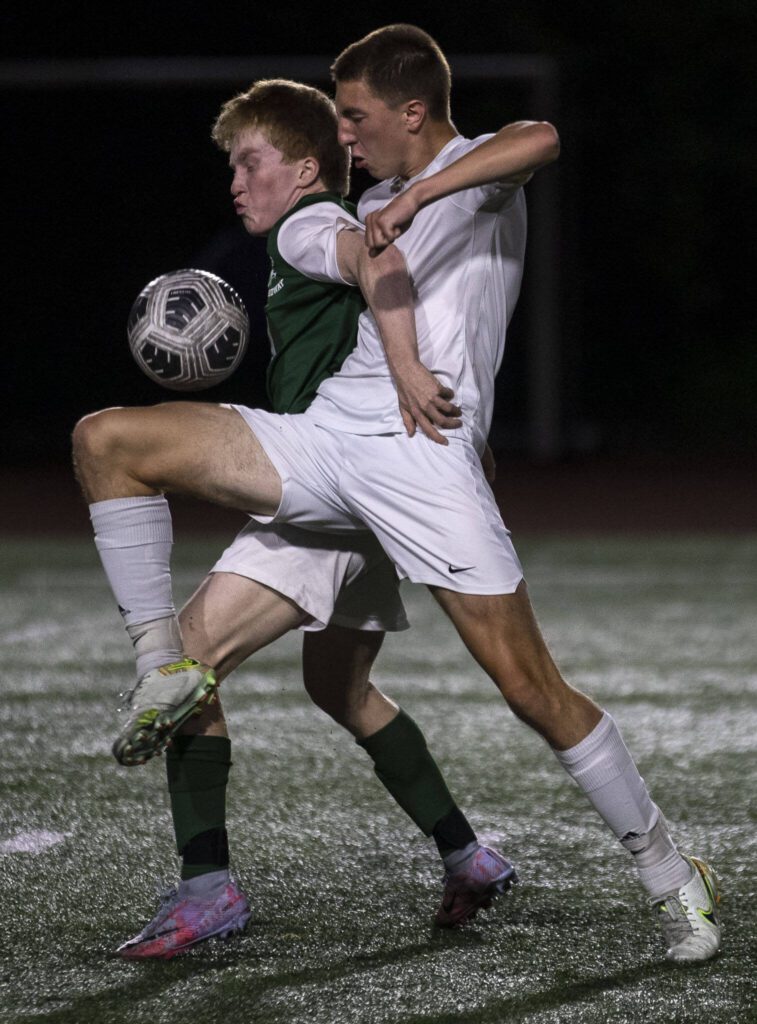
(347, 459)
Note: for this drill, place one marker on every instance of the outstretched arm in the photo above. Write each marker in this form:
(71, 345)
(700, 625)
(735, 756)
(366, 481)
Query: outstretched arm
(510, 157)
(385, 283)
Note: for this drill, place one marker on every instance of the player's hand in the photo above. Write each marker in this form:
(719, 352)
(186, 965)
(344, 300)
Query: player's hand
(489, 464)
(426, 403)
(382, 227)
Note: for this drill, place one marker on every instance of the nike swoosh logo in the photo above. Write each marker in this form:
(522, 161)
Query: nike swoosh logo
(463, 568)
(162, 934)
(708, 913)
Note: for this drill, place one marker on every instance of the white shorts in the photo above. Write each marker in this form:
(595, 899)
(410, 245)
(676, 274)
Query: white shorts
(347, 581)
(429, 505)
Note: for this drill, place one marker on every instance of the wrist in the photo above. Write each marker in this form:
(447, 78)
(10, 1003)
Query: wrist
(421, 192)
(400, 364)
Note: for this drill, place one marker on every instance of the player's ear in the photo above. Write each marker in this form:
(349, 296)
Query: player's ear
(310, 169)
(414, 114)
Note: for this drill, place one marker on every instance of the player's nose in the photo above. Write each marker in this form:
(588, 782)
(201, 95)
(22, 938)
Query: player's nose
(345, 134)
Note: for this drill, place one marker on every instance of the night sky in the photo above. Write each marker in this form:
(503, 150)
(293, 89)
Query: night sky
(108, 187)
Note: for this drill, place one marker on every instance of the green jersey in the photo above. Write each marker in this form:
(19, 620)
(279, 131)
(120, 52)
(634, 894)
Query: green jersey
(312, 325)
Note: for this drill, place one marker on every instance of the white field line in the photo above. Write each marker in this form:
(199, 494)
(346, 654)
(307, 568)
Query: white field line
(32, 842)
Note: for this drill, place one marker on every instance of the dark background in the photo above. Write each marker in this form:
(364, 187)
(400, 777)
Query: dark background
(108, 187)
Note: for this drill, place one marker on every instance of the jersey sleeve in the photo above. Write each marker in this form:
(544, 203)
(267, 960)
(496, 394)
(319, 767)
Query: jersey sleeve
(307, 240)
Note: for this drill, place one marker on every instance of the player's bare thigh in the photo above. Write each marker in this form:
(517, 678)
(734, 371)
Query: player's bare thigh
(191, 447)
(502, 634)
(227, 619)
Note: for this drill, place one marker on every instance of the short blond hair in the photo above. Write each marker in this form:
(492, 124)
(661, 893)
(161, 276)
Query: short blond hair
(297, 119)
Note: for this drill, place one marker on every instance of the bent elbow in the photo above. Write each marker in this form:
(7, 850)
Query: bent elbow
(549, 142)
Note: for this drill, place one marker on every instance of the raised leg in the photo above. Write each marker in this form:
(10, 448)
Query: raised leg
(191, 447)
(125, 459)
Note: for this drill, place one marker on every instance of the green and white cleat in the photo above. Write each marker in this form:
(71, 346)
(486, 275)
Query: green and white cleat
(159, 705)
(689, 917)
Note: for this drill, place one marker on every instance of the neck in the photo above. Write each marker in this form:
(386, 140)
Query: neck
(311, 190)
(428, 144)
(300, 193)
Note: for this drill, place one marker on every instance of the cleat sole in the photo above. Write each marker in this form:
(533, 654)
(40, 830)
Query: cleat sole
(155, 729)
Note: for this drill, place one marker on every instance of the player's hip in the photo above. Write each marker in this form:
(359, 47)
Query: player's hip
(429, 505)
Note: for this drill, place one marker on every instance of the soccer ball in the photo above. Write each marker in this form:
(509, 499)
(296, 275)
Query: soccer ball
(188, 330)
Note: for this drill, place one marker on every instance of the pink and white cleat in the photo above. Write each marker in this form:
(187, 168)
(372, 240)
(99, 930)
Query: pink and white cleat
(185, 919)
(480, 878)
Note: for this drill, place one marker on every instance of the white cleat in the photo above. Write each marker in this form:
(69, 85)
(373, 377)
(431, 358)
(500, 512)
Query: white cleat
(689, 917)
(159, 705)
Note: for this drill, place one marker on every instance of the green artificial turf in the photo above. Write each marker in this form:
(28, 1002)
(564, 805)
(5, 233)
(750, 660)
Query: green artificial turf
(659, 630)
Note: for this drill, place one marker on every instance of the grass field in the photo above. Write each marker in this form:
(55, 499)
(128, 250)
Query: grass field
(662, 631)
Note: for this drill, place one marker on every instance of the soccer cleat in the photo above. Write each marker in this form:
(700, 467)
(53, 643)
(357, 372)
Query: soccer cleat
(482, 877)
(689, 917)
(159, 705)
(183, 921)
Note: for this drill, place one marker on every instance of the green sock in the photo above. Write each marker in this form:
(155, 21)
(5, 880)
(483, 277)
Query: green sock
(404, 765)
(198, 771)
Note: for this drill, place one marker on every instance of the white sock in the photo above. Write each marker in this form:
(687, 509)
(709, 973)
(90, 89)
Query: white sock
(457, 858)
(134, 538)
(156, 643)
(604, 769)
(209, 886)
(661, 867)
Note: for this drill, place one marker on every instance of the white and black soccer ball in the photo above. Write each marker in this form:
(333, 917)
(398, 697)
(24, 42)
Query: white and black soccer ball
(188, 330)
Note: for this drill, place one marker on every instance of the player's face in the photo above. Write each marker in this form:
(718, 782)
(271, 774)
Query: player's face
(375, 133)
(263, 187)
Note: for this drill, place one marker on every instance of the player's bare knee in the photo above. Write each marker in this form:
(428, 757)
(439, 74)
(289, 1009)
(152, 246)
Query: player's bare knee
(537, 699)
(94, 437)
(341, 699)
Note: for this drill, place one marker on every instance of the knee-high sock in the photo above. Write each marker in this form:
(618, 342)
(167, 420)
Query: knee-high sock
(198, 773)
(134, 538)
(604, 769)
(404, 765)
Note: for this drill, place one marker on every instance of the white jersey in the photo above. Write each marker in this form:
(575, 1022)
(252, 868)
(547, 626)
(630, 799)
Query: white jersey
(465, 255)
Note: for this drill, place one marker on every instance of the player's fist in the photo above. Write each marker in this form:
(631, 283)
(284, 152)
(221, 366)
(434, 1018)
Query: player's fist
(382, 227)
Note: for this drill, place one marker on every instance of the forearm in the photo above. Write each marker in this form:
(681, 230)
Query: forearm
(385, 285)
(514, 153)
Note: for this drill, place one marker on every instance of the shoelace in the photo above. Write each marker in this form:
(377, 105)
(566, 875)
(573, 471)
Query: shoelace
(127, 696)
(675, 923)
(124, 700)
(167, 895)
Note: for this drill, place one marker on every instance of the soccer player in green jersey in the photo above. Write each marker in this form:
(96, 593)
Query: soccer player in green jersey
(341, 591)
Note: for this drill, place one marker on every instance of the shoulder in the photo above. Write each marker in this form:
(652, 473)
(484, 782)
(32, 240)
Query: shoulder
(316, 217)
(460, 145)
(494, 197)
(307, 239)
